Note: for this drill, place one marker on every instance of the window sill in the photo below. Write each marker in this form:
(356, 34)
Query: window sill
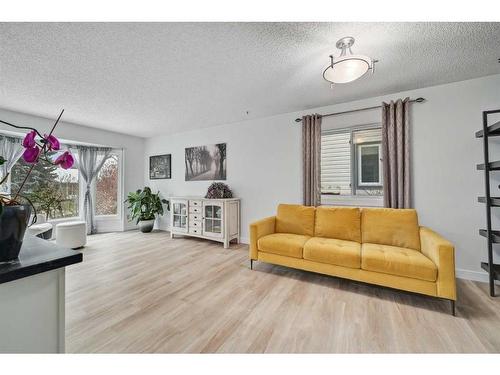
(64, 219)
(352, 200)
(108, 217)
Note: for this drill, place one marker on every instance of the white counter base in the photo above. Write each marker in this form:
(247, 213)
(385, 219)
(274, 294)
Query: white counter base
(32, 314)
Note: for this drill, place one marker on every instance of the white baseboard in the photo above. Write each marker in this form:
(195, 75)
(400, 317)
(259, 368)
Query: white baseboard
(472, 275)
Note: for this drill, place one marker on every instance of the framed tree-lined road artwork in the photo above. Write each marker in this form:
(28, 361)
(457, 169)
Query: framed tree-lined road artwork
(206, 162)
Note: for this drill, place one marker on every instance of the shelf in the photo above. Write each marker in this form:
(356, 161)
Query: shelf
(496, 269)
(495, 238)
(493, 131)
(494, 201)
(494, 166)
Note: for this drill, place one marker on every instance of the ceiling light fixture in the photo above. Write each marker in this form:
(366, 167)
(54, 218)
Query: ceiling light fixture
(347, 67)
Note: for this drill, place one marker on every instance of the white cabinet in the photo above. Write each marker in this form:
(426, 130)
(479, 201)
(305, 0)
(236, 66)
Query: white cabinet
(214, 219)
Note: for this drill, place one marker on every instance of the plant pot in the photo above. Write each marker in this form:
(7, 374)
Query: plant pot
(146, 226)
(13, 223)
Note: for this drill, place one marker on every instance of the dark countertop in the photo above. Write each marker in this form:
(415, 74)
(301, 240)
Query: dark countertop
(37, 256)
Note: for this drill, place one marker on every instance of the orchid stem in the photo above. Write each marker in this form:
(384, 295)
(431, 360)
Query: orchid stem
(4, 178)
(21, 127)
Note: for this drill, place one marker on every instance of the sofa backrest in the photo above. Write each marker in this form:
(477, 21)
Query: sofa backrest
(342, 223)
(296, 219)
(393, 227)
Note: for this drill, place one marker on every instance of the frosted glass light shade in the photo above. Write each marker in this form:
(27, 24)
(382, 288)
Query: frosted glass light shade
(347, 68)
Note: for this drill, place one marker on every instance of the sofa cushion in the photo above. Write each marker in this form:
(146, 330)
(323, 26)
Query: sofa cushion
(342, 223)
(397, 261)
(295, 219)
(393, 227)
(286, 244)
(333, 251)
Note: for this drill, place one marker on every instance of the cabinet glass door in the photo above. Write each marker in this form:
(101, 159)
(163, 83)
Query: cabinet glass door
(212, 217)
(179, 215)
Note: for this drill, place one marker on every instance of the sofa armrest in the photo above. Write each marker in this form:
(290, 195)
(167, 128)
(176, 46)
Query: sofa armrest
(260, 229)
(442, 253)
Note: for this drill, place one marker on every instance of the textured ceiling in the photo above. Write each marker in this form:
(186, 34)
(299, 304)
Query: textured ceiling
(156, 78)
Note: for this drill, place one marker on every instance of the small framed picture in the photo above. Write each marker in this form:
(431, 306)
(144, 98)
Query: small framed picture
(160, 167)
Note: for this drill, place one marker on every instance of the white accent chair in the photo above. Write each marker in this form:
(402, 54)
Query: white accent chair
(72, 234)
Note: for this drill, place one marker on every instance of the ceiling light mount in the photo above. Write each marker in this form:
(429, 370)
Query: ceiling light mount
(347, 67)
(345, 43)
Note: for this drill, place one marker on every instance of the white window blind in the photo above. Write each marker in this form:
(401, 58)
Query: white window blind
(336, 163)
(366, 136)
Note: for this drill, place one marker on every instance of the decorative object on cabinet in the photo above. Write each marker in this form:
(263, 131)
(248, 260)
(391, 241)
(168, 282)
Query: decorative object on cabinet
(144, 206)
(206, 162)
(218, 190)
(492, 236)
(160, 167)
(213, 219)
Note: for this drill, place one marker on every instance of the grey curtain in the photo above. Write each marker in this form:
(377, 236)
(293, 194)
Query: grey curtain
(396, 153)
(90, 161)
(11, 149)
(311, 159)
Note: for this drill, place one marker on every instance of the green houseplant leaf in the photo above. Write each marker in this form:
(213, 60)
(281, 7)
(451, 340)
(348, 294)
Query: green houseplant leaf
(144, 205)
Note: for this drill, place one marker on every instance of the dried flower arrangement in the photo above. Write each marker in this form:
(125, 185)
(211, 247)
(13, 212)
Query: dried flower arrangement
(218, 190)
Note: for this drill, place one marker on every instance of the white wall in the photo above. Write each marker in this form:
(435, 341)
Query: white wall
(133, 147)
(263, 164)
(264, 161)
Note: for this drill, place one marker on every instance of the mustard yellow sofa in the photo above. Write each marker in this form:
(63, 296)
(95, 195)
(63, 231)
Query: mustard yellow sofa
(379, 246)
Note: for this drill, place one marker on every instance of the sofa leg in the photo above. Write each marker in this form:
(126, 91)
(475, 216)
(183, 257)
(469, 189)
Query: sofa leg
(251, 264)
(453, 312)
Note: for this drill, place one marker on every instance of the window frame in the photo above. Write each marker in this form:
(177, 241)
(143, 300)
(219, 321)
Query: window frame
(109, 223)
(119, 193)
(356, 199)
(359, 165)
(58, 220)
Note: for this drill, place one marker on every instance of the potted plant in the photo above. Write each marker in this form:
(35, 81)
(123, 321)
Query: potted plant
(15, 209)
(144, 206)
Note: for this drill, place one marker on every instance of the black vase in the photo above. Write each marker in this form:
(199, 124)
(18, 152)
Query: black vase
(13, 223)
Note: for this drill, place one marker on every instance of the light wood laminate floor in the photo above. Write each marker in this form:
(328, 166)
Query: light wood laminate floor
(138, 292)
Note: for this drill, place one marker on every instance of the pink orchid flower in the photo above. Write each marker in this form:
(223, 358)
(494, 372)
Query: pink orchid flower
(52, 142)
(29, 140)
(65, 160)
(30, 155)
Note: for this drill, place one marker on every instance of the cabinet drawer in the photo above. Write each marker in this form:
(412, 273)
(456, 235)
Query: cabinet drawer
(194, 217)
(195, 230)
(194, 209)
(195, 224)
(194, 203)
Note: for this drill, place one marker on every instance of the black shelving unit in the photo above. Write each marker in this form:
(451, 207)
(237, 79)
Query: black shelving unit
(492, 236)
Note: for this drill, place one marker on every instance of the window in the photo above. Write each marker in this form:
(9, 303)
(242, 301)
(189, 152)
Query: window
(54, 191)
(369, 165)
(106, 187)
(336, 163)
(351, 163)
(58, 194)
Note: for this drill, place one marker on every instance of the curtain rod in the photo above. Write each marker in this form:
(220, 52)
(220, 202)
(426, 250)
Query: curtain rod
(418, 100)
